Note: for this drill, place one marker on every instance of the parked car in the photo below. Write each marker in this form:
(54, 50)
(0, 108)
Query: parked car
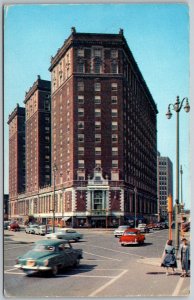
(66, 234)
(14, 226)
(31, 228)
(132, 236)
(6, 224)
(120, 230)
(42, 230)
(143, 228)
(49, 255)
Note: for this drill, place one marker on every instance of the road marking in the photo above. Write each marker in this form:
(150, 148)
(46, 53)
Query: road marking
(87, 276)
(103, 256)
(93, 294)
(178, 287)
(10, 270)
(17, 247)
(117, 252)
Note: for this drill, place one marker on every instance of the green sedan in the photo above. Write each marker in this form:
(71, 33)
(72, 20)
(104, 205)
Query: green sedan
(49, 255)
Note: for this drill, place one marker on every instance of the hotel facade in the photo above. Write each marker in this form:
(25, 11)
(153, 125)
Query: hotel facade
(102, 134)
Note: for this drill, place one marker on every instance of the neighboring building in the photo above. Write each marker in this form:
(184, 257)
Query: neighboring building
(165, 184)
(16, 124)
(38, 135)
(104, 137)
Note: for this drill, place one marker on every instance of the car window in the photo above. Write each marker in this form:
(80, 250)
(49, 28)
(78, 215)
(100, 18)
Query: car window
(61, 247)
(129, 233)
(42, 248)
(67, 246)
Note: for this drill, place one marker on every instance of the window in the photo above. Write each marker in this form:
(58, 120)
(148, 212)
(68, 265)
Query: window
(97, 138)
(81, 125)
(114, 53)
(98, 162)
(81, 150)
(80, 137)
(98, 200)
(80, 163)
(114, 125)
(80, 99)
(114, 138)
(97, 99)
(80, 68)
(97, 112)
(115, 151)
(47, 105)
(97, 125)
(97, 52)
(80, 112)
(114, 68)
(114, 99)
(114, 86)
(80, 86)
(115, 163)
(98, 150)
(97, 67)
(80, 52)
(97, 86)
(114, 112)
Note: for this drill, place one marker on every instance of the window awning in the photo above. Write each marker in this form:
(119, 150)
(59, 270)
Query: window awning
(65, 218)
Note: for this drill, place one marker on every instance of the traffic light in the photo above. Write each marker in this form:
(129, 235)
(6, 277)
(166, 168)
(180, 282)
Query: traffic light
(169, 204)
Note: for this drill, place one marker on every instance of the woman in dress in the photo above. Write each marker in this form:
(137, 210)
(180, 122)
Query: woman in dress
(168, 258)
(185, 258)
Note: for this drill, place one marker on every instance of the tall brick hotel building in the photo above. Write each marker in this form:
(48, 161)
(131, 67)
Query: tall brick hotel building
(98, 152)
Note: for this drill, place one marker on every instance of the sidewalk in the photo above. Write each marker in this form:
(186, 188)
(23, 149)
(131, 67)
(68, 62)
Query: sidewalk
(156, 261)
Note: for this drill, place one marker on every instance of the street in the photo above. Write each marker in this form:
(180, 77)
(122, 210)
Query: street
(107, 269)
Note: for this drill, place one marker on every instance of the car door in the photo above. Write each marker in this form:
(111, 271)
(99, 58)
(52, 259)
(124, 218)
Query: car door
(69, 254)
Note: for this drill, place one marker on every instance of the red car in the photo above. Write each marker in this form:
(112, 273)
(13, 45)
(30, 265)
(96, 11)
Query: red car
(14, 227)
(132, 236)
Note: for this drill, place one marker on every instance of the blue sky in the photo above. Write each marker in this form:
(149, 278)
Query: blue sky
(157, 34)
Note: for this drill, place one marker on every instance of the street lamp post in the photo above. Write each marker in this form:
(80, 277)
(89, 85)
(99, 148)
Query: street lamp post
(53, 210)
(177, 106)
(135, 208)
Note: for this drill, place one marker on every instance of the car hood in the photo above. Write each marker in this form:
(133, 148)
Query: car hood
(37, 255)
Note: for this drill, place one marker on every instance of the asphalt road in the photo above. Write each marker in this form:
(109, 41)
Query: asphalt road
(107, 269)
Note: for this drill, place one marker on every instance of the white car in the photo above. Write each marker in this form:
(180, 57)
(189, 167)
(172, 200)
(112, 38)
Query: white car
(65, 234)
(31, 228)
(42, 230)
(143, 228)
(120, 230)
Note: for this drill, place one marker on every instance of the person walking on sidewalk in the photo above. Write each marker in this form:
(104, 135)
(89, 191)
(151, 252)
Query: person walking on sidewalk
(185, 258)
(168, 257)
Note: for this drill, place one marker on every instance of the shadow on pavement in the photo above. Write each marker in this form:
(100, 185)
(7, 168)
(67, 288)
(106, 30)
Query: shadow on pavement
(64, 272)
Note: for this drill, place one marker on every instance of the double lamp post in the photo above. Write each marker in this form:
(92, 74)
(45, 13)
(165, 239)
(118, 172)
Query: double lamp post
(177, 106)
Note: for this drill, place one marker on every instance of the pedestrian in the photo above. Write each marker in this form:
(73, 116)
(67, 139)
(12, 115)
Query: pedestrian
(168, 257)
(185, 258)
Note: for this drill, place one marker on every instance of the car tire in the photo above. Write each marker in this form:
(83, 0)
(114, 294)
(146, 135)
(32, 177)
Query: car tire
(54, 270)
(122, 244)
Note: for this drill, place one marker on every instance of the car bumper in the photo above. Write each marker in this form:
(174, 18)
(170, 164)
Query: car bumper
(34, 268)
(129, 243)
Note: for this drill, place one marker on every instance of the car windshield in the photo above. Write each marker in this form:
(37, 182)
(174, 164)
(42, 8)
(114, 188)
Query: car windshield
(123, 227)
(42, 248)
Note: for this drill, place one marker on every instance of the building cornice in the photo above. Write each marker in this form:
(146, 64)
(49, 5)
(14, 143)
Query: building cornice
(39, 84)
(18, 111)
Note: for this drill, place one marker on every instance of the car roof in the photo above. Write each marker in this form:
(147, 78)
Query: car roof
(132, 230)
(50, 242)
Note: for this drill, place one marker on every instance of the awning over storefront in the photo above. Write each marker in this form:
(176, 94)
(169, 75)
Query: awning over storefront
(65, 218)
